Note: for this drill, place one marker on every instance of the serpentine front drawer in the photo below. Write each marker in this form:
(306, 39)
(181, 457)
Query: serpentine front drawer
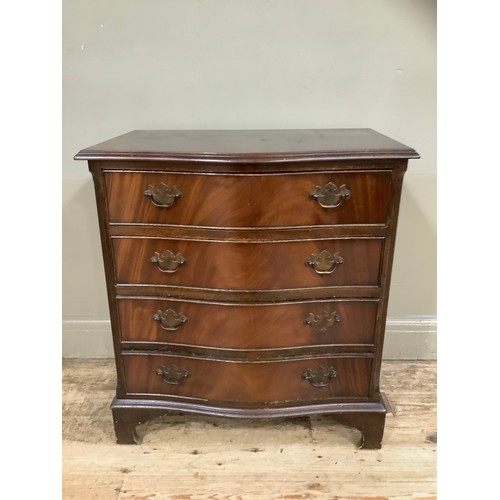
(248, 383)
(157, 322)
(249, 200)
(248, 266)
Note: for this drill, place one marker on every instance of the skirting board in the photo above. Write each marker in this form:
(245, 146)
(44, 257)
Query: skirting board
(405, 338)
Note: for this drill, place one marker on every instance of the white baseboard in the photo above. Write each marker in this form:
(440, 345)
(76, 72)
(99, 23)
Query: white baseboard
(87, 339)
(405, 338)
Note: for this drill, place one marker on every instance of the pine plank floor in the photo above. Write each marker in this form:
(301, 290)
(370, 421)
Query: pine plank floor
(194, 458)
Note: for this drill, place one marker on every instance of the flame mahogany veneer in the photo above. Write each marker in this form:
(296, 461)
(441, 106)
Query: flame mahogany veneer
(248, 272)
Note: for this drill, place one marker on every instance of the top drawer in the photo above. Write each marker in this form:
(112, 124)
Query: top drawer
(248, 200)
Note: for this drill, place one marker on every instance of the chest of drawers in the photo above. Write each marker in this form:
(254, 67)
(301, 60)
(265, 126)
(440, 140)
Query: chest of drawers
(248, 271)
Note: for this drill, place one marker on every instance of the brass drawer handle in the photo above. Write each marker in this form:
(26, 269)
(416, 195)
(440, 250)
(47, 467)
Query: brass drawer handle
(170, 320)
(325, 262)
(320, 377)
(168, 262)
(162, 196)
(330, 196)
(322, 322)
(173, 374)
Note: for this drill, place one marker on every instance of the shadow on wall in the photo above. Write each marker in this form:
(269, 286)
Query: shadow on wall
(413, 288)
(83, 270)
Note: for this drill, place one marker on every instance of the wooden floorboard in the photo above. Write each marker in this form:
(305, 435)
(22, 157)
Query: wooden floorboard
(194, 458)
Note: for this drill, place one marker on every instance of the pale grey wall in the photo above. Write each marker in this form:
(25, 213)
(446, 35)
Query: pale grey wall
(200, 64)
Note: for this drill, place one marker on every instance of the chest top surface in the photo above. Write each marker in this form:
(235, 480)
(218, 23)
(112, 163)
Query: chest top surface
(257, 146)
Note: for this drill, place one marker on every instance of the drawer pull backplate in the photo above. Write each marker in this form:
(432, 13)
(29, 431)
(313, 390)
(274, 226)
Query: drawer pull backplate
(168, 262)
(320, 377)
(322, 322)
(162, 196)
(325, 262)
(170, 319)
(330, 196)
(173, 374)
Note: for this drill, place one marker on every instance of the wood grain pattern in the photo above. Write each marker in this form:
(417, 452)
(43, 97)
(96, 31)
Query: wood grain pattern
(235, 326)
(228, 265)
(248, 200)
(246, 384)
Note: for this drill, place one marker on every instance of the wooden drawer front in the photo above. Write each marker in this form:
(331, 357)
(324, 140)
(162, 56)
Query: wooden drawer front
(248, 266)
(244, 383)
(247, 326)
(247, 200)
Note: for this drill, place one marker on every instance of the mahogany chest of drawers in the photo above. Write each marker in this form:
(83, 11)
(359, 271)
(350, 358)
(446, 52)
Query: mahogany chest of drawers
(248, 271)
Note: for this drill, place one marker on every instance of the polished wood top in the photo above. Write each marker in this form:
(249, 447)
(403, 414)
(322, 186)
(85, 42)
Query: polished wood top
(243, 146)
